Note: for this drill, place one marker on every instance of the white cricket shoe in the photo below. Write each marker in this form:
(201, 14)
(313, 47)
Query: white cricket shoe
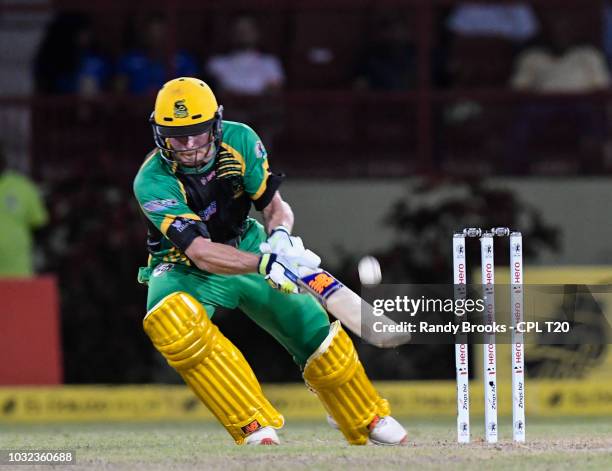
(332, 423)
(383, 431)
(263, 436)
(387, 431)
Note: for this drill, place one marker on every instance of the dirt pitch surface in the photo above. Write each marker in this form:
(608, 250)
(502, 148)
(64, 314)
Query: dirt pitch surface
(555, 444)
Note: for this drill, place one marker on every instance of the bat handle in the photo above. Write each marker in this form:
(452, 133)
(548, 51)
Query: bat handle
(292, 276)
(303, 271)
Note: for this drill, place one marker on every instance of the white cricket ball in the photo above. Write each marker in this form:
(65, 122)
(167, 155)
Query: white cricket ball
(369, 271)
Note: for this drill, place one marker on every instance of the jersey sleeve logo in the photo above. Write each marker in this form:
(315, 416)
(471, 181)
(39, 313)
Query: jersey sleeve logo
(180, 109)
(180, 224)
(260, 150)
(156, 206)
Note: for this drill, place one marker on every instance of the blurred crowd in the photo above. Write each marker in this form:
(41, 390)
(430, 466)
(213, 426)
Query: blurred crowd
(265, 65)
(476, 44)
(73, 60)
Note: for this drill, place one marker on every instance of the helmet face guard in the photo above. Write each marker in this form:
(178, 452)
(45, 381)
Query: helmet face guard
(161, 134)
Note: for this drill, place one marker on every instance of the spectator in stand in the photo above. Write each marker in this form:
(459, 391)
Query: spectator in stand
(245, 70)
(145, 67)
(514, 22)
(483, 41)
(69, 60)
(389, 61)
(563, 63)
(21, 212)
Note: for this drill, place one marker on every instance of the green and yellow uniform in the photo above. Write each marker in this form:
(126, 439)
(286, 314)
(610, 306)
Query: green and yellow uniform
(181, 204)
(214, 202)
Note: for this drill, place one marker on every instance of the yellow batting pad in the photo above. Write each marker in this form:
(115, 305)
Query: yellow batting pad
(336, 375)
(210, 364)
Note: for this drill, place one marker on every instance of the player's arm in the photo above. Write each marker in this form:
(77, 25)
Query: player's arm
(279, 270)
(262, 187)
(190, 235)
(223, 259)
(220, 258)
(278, 221)
(277, 213)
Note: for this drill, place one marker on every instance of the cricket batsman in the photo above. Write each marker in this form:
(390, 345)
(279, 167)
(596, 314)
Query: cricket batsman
(196, 189)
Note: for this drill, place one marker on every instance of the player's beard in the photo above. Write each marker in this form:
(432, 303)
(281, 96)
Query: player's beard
(199, 157)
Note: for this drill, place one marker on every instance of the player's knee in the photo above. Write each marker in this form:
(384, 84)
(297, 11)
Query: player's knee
(326, 370)
(311, 345)
(180, 329)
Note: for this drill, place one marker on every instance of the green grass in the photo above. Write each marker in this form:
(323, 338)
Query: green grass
(555, 444)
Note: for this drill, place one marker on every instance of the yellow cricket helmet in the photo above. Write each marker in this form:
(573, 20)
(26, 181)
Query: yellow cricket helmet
(185, 106)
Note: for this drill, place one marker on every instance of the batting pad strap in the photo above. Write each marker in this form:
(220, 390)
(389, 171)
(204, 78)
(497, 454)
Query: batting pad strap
(336, 375)
(210, 364)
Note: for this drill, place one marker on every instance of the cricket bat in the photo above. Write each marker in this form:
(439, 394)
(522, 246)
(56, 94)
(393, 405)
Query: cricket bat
(350, 309)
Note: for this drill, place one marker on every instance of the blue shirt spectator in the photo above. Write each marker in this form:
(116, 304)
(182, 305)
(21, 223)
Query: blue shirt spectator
(145, 74)
(69, 59)
(145, 68)
(91, 76)
(511, 21)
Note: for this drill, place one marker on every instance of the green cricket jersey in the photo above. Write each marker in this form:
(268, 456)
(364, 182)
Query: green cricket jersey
(214, 202)
(181, 204)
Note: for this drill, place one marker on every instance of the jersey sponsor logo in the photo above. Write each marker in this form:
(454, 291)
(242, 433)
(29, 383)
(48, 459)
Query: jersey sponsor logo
(156, 206)
(162, 268)
(180, 109)
(260, 150)
(207, 213)
(206, 179)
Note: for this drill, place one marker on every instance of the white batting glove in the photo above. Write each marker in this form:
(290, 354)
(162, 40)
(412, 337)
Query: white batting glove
(304, 260)
(278, 241)
(281, 243)
(280, 272)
